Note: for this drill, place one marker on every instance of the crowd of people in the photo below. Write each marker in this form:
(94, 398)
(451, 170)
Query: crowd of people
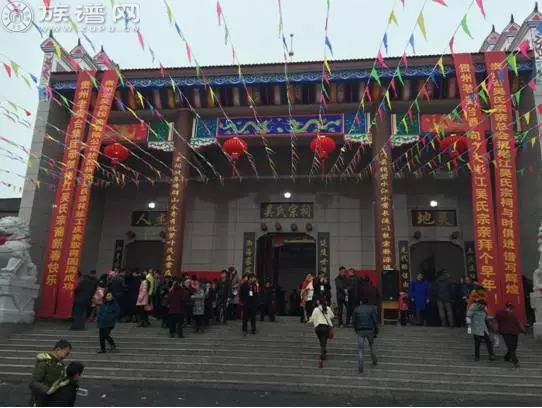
(179, 302)
(175, 302)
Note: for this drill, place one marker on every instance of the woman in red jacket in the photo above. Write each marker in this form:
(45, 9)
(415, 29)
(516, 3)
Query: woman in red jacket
(509, 328)
(178, 298)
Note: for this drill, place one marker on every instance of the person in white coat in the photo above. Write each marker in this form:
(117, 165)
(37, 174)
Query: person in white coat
(321, 318)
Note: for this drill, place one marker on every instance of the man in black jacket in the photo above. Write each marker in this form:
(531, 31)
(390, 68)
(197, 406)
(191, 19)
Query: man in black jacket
(81, 301)
(268, 302)
(342, 294)
(64, 392)
(223, 295)
(249, 295)
(365, 322)
(353, 298)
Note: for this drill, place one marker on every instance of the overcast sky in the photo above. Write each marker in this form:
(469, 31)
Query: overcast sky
(356, 28)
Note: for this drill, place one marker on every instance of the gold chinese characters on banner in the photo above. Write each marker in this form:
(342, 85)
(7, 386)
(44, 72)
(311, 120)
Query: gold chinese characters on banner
(385, 240)
(505, 181)
(323, 253)
(64, 194)
(177, 188)
(482, 196)
(249, 251)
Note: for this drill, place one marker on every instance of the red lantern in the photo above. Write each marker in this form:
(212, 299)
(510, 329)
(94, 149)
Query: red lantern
(454, 145)
(323, 146)
(117, 153)
(235, 147)
(3, 240)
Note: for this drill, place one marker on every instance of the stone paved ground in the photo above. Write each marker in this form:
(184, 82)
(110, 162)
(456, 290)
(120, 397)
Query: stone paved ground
(106, 393)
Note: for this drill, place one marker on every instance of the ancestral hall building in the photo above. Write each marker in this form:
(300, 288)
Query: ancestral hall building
(284, 170)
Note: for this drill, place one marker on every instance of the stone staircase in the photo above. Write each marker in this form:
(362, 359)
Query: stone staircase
(415, 363)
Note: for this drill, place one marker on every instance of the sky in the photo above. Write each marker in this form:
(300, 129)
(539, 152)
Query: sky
(355, 30)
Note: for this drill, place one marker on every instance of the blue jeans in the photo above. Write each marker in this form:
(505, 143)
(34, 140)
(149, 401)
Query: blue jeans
(362, 335)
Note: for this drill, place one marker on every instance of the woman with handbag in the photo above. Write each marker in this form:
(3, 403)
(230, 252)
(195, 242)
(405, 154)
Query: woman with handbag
(321, 319)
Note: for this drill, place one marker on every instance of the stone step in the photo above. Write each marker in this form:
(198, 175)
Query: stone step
(372, 379)
(283, 356)
(263, 339)
(453, 339)
(181, 348)
(334, 368)
(339, 361)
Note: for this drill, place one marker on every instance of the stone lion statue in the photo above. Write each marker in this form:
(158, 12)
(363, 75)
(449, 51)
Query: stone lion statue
(14, 255)
(18, 274)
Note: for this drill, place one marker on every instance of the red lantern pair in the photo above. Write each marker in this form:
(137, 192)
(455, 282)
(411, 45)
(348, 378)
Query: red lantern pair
(322, 146)
(117, 153)
(455, 145)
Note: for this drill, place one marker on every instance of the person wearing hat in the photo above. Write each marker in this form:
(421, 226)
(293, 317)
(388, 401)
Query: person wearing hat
(509, 329)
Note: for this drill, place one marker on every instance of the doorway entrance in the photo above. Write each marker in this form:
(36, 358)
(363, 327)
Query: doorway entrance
(144, 254)
(284, 259)
(429, 257)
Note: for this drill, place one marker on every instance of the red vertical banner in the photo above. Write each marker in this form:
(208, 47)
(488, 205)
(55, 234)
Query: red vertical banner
(506, 190)
(482, 196)
(64, 194)
(71, 256)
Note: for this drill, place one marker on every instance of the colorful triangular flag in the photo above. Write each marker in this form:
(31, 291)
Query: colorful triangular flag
(140, 39)
(465, 26)
(328, 44)
(7, 68)
(440, 64)
(374, 75)
(392, 18)
(481, 6)
(421, 24)
(512, 62)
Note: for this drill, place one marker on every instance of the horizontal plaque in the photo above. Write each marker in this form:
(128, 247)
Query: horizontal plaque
(287, 210)
(149, 218)
(434, 218)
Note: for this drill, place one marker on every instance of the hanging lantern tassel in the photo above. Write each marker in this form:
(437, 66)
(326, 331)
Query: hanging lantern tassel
(322, 146)
(235, 148)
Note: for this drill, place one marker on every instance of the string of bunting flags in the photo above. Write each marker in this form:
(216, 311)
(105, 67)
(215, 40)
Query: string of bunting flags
(228, 39)
(455, 115)
(422, 92)
(361, 106)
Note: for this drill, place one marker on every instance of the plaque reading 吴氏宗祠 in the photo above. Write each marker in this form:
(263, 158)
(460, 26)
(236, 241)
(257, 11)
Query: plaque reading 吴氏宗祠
(287, 210)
